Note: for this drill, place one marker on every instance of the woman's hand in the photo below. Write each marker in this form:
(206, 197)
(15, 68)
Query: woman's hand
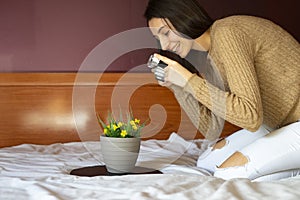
(174, 73)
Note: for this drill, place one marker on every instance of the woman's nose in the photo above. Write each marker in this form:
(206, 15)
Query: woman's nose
(164, 45)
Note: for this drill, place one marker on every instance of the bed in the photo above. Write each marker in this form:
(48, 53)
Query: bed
(48, 129)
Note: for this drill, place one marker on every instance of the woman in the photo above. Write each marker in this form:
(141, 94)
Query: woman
(258, 63)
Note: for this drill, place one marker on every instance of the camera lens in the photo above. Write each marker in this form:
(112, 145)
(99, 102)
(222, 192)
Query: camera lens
(155, 62)
(152, 62)
(158, 66)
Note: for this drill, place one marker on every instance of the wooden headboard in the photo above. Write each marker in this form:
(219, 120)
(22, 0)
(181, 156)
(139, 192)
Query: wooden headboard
(45, 108)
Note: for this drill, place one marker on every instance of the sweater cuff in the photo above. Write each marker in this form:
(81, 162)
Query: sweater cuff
(194, 84)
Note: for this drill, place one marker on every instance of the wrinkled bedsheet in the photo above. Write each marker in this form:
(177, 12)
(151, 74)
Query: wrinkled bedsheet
(42, 172)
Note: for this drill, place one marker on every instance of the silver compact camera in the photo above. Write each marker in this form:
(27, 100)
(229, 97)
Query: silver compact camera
(158, 67)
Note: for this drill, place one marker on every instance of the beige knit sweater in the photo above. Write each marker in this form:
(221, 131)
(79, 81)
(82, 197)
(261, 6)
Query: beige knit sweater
(259, 64)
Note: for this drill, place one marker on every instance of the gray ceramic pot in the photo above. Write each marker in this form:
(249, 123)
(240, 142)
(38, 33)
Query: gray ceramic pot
(120, 154)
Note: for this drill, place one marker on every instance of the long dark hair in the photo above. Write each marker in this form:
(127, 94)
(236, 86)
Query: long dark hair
(187, 16)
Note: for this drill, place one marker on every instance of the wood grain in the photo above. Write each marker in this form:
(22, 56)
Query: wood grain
(46, 108)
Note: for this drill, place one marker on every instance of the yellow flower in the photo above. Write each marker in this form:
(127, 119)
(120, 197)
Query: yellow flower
(132, 123)
(108, 126)
(115, 127)
(105, 130)
(123, 133)
(137, 121)
(120, 124)
(134, 127)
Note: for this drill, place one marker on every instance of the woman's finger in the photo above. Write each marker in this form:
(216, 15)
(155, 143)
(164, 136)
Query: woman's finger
(166, 70)
(166, 60)
(164, 83)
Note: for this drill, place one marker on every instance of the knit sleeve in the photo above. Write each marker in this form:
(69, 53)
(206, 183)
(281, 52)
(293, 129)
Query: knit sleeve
(241, 105)
(203, 119)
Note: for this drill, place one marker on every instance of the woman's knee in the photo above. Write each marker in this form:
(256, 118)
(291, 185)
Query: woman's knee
(237, 159)
(220, 144)
(276, 152)
(213, 156)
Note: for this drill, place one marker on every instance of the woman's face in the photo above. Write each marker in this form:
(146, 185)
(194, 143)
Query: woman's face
(168, 38)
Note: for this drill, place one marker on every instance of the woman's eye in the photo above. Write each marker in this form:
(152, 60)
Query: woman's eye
(167, 33)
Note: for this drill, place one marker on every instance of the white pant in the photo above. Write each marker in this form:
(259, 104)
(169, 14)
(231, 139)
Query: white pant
(271, 154)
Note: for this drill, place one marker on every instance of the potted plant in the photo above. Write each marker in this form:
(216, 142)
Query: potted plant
(120, 143)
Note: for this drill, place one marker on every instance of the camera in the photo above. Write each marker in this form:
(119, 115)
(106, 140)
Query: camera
(158, 66)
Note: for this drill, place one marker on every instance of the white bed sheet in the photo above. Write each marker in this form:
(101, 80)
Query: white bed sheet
(42, 172)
